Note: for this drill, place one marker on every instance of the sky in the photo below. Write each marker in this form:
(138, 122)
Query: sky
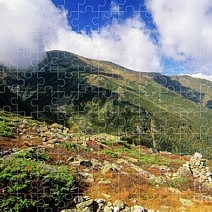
(167, 36)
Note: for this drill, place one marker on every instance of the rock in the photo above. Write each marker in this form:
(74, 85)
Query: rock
(140, 170)
(86, 163)
(197, 155)
(104, 182)
(116, 209)
(184, 172)
(107, 209)
(86, 209)
(96, 164)
(174, 190)
(100, 201)
(186, 202)
(126, 209)
(158, 180)
(70, 159)
(196, 167)
(119, 204)
(88, 180)
(137, 208)
(84, 204)
(87, 177)
(121, 160)
(109, 167)
(161, 168)
(78, 199)
(131, 160)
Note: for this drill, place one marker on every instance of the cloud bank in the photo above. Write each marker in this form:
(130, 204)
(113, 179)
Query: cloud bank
(29, 28)
(185, 29)
(127, 44)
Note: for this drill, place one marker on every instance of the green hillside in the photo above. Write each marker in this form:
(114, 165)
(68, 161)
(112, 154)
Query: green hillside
(98, 96)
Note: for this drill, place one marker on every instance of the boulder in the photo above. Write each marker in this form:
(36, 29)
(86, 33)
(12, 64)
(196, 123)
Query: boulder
(137, 208)
(84, 204)
(119, 203)
(107, 167)
(107, 209)
(184, 172)
(197, 155)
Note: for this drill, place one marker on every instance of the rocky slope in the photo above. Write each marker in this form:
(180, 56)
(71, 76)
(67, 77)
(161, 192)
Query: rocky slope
(111, 175)
(148, 109)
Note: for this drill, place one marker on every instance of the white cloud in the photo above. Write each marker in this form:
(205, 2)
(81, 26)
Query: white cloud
(26, 28)
(31, 27)
(114, 8)
(127, 43)
(202, 76)
(185, 29)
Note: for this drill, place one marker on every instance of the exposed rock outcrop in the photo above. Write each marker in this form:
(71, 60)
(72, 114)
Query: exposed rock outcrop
(197, 168)
(86, 204)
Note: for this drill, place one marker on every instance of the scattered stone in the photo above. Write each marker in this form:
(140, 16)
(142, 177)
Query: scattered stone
(197, 168)
(107, 167)
(140, 170)
(107, 209)
(119, 203)
(174, 190)
(197, 155)
(86, 163)
(186, 202)
(116, 209)
(161, 168)
(184, 171)
(84, 204)
(104, 182)
(137, 208)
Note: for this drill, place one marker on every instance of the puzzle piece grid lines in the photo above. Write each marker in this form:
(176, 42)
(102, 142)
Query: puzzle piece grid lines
(60, 93)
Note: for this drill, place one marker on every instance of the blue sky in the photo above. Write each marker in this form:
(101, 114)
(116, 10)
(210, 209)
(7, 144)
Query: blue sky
(167, 36)
(81, 15)
(91, 16)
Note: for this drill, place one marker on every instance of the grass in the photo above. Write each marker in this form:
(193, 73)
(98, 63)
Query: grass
(110, 153)
(110, 99)
(69, 146)
(30, 185)
(9, 121)
(5, 129)
(180, 183)
(147, 159)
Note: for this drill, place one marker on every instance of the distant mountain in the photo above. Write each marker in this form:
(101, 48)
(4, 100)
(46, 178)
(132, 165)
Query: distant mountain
(169, 113)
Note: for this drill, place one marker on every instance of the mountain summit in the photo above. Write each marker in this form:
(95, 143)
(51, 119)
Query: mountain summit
(155, 110)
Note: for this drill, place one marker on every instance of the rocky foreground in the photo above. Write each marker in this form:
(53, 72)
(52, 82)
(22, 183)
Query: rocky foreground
(114, 176)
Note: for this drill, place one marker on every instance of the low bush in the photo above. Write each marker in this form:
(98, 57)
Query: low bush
(30, 185)
(179, 183)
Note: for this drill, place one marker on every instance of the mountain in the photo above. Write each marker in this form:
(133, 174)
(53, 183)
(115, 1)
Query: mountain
(167, 113)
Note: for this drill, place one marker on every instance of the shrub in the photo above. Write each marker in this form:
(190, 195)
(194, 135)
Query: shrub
(5, 129)
(110, 153)
(179, 183)
(69, 146)
(30, 185)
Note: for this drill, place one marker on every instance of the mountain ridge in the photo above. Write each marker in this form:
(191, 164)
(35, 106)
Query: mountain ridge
(101, 96)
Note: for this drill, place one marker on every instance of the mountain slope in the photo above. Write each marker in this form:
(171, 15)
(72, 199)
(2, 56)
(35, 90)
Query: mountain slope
(99, 96)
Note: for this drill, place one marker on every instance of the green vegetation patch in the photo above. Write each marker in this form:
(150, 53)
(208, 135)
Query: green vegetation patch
(180, 183)
(30, 185)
